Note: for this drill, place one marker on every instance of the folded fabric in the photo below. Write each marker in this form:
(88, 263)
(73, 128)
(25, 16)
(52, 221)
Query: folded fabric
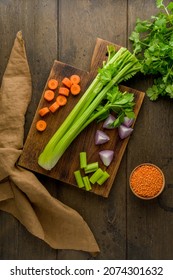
(21, 193)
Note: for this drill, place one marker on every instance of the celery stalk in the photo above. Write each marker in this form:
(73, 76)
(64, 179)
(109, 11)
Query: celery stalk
(122, 68)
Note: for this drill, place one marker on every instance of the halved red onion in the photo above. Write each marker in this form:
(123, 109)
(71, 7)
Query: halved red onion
(107, 123)
(124, 131)
(101, 137)
(106, 156)
(127, 121)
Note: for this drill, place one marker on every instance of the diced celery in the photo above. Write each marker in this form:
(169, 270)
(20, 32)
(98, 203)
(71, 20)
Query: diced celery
(83, 159)
(79, 179)
(87, 183)
(103, 178)
(96, 176)
(91, 167)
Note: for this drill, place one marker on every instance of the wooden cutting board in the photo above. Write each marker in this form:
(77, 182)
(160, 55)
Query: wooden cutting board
(69, 162)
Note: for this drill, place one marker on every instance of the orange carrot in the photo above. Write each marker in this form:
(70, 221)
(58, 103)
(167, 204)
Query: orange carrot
(41, 125)
(75, 89)
(54, 107)
(75, 79)
(61, 100)
(43, 111)
(64, 91)
(66, 81)
(52, 84)
(49, 95)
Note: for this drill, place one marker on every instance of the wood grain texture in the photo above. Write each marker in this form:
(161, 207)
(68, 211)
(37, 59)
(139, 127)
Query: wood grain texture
(125, 227)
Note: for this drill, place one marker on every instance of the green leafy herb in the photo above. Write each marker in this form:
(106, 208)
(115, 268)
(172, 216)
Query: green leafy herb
(153, 45)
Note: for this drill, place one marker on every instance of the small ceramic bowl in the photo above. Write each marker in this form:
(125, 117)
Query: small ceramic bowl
(147, 181)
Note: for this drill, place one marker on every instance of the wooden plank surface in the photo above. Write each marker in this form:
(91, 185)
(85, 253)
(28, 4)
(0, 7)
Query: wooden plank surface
(124, 227)
(69, 162)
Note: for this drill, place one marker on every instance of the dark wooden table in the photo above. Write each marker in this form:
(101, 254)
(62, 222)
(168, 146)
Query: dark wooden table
(124, 226)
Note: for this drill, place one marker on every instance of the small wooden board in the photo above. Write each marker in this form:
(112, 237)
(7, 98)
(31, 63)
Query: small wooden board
(69, 162)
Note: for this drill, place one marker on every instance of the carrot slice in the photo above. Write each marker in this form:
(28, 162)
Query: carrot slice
(49, 95)
(66, 81)
(54, 107)
(75, 79)
(52, 84)
(43, 111)
(61, 100)
(41, 125)
(64, 91)
(75, 89)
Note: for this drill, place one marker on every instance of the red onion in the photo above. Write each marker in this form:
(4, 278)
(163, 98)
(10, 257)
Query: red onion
(101, 137)
(127, 121)
(106, 156)
(124, 131)
(108, 122)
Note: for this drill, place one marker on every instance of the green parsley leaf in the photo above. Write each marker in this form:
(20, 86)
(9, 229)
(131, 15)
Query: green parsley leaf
(152, 42)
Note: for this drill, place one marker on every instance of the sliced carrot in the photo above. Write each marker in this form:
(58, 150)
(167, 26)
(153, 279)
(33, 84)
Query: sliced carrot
(64, 91)
(43, 111)
(52, 84)
(75, 79)
(41, 125)
(61, 100)
(66, 81)
(75, 89)
(54, 107)
(49, 95)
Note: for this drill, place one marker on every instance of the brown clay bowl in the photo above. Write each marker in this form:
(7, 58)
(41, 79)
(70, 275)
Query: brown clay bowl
(147, 181)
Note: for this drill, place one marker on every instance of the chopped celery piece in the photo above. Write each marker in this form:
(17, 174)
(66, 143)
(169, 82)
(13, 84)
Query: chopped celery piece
(91, 167)
(96, 176)
(87, 183)
(83, 159)
(79, 179)
(103, 178)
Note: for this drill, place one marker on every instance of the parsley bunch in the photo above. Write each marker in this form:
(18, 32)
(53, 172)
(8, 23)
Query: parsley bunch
(153, 45)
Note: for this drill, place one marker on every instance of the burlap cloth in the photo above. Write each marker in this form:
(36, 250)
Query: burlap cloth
(21, 194)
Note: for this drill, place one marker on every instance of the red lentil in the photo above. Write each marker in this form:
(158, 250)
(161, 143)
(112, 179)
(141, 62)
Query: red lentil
(146, 180)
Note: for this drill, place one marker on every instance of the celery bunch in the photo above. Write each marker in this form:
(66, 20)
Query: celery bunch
(120, 66)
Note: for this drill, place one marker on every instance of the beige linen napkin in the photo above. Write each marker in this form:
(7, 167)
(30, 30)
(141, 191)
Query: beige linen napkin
(21, 194)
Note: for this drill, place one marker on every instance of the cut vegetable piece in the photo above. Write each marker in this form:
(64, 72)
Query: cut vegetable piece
(43, 111)
(83, 160)
(75, 79)
(49, 95)
(54, 107)
(101, 137)
(41, 125)
(52, 84)
(103, 178)
(79, 179)
(87, 183)
(96, 176)
(124, 131)
(61, 100)
(64, 91)
(66, 81)
(91, 167)
(75, 89)
(108, 122)
(127, 121)
(106, 156)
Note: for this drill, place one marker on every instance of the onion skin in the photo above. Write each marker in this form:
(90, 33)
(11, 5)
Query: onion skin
(101, 137)
(108, 122)
(106, 156)
(127, 121)
(124, 131)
